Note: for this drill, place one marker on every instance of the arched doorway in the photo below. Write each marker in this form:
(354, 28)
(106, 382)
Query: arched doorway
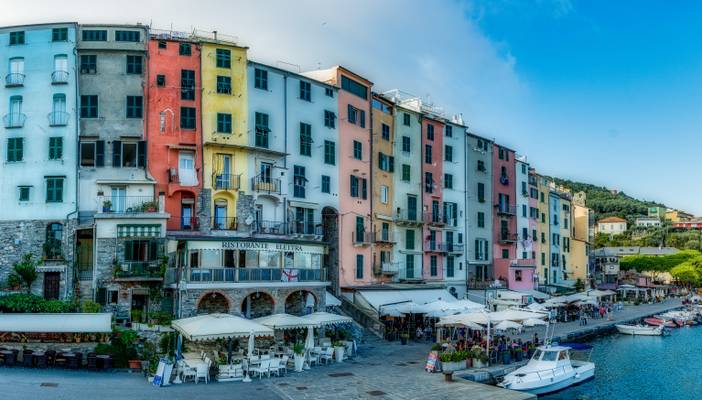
(300, 302)
(212, 303)
(257, 305)
(330, 226)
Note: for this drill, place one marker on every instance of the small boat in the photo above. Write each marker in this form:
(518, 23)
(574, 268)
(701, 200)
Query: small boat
(640, 330)
(549, 370)
(659, 322)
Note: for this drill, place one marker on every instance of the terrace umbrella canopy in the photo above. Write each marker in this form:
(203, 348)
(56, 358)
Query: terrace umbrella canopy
(56, 323)
(219, 326)
(283, 321)
(460, 320)
(534, 322)
(321, 318)
(504, 325)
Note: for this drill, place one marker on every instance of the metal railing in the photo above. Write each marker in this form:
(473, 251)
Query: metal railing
(436, 247)
(485, 284)
(14, 120)
(455, 247)
(361, 238)
(139, 269)
(406, 216)
(383, 237)
(256, 274)
(59, 77)
(523, 262)
(506, 209)
(305, 228)
(224, 223)
(186, 223)
(14, 79)
(226, 181)
(58, 118)
(270, 227)
(85, 274)
(389, 268)
(434, 218)
(52, 250)
(506, 237)
(128, 204)
(265, 184)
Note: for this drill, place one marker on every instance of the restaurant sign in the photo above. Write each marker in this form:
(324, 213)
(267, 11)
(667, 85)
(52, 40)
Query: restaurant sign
(256, 246)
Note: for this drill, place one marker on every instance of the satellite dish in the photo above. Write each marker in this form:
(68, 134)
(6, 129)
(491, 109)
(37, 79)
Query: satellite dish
(249, 220)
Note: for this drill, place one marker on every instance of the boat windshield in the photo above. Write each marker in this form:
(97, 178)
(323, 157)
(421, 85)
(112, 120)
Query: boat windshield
(537, 354)
(550, 356)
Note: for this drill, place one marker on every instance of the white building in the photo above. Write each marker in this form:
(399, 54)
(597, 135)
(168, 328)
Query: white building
(525, 242)
(645, 222)
(611, 226)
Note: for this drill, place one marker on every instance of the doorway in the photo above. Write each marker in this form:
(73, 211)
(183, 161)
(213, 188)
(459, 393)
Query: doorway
(52, 285)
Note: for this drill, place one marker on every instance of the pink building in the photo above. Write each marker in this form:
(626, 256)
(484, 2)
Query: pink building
(504, 214)
(432, 207)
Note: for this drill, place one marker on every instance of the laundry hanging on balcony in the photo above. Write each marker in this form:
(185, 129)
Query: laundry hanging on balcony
(145, 231)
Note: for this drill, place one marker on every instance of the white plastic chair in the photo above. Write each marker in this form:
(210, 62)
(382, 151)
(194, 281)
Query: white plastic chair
(261, 369)
(328, 355)
(284, 364)
(186, 372)
(274, 366)
(202, 371)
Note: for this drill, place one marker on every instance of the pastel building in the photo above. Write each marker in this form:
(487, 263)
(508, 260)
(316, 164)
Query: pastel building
(522, 266)
(543, 230)
(38, 180)
(434, 246)
(555, 274)
(534, 222)
(566, 232)
(581, 240)
(479, 210)
(612, 226)
(504, 213)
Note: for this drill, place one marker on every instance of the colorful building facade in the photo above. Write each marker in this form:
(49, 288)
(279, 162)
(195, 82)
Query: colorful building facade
(504, 211)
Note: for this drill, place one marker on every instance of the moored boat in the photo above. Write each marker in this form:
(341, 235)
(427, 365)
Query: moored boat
(640, 330)
(659, 322)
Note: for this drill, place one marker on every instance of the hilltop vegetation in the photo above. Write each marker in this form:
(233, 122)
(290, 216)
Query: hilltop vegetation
(686, 266)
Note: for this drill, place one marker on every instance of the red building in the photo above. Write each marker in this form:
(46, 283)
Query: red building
(432, 207)
(174, 126)
(505, 210)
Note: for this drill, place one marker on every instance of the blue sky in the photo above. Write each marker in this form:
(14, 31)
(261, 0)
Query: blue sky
(605, 92)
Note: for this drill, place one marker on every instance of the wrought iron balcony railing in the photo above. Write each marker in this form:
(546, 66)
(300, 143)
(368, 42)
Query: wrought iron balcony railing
(59, 77)
(14, 80)
(58, 118)
(265, 184)
(226, 181)
(14, 120)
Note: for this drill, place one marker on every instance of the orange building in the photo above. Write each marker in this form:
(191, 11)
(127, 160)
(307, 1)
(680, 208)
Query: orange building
(174, 126)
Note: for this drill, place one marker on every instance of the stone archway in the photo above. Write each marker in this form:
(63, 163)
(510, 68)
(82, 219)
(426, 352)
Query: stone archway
(213, 302)
(257, 304)
(297, 302)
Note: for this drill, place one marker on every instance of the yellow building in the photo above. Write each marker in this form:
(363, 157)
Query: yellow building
(580, 243)
(565, 232)
(678, 216)
(225, 128)
(543, 231)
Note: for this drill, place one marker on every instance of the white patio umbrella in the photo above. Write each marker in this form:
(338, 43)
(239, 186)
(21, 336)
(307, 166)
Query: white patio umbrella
(283, 321)
(459, 320)
(534, 322)
(309, 340)
(251, 344)
(504, 325)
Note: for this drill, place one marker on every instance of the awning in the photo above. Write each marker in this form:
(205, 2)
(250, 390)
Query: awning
(459, 320)
(380, 299)
(219, 326)
(600, 293)
(331, 300)
(318, 319)
(535, 294)
(148, 231)
(482, 318)
(283, 321)
(56, 323)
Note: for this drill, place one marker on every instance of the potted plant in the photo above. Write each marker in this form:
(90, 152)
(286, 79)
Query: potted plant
(404, 337)
(299, 356)
(469, 358)
(476, 353)
(452, 361)
(506, 358)
(106, 206)
(339, 350)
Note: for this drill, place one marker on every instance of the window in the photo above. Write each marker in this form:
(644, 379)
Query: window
(481, 192)
(54, 237)
(359, 266)
(406, 172)
(448, 181)
(427, 153)
(354, 186)
(87, 154)
(135, 106)
(518, 275)
(449, 267)
(162, 44)
(224, 123)
(127, 36)
(305, 139)
(501, 153)
(405, 119)
(357, 150)
(409, 267)
(94, 35)
(383, 194)
(386, 163)
(354, 87)
(481, 166)
(184, 49)
(385, 131)
(23, 192)
(428, 182)
(161, 80)
(448, 153)
(305, 91)
(299, 181)
(326, 184)
(88, 106)
(262, 130)
(433, 270)
(329, 152)
(356, 116)
(329, 119)
(187, 117)
(481, 249)
(481, 219)
(525, 234)
(224, 85)
(55, 148)
(224, 58)
(449, 131)
(134, 64)
(543, 258)
(524, 210)
(54, 189)
(16, 38)
(406, 144)
(187, 84)
(359, 187)
(260, 79)
(505, 254)
(430, 132)
(329, 92)
(59, 34)
(88, 64)
(409, 239)
(15, 149)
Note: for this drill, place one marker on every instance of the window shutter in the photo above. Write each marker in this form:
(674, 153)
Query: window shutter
(364, 189)
(153, 249)
(128, 253)
(363, 119)
(101, 296)
(116, 153)
(351, 118)
(392, 164)
(100, 153)
(141, 154)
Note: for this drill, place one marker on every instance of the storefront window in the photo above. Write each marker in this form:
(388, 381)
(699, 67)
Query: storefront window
(303, 260)
(269, 259)
(289, 259)
(252, 259)
(316, 261)
(211, 259)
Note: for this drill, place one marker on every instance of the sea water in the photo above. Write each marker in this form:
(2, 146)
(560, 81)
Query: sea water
(642, 368)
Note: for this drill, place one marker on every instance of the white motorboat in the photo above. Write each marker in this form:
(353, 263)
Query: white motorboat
(549, 370)
(642, 330)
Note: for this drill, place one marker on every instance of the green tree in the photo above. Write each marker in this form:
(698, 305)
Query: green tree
(689, 272)
(26, 271)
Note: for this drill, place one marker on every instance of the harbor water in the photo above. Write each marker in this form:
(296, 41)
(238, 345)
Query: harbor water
(642, 368)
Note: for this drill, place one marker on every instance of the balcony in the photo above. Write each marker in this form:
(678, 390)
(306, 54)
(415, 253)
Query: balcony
(506, 237)
(361, 238)
(14, 120)
(186, 223)
(407, 217)
(523, 263)
(504, 209)
(14, 80)
(58, 118)
(486, 284)
(270, 227)
(138, 270)
(454, 247)
(433, 218)
(226, 181)
(383, 237)
(264, 184)
(59, 77)
(481, 168)
(254, 274)
(224, 224)
(435, 247)
(305, 228)
(387, 268)
(128, 204)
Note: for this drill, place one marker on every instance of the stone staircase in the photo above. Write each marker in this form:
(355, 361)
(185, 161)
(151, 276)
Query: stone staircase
(363, 318)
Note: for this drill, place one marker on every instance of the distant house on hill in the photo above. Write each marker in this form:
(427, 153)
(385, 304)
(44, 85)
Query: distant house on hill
(611, 225)
(645, 222)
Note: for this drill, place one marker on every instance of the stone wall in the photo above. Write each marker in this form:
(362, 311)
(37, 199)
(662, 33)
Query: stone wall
(245, 208)
(203, 209)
